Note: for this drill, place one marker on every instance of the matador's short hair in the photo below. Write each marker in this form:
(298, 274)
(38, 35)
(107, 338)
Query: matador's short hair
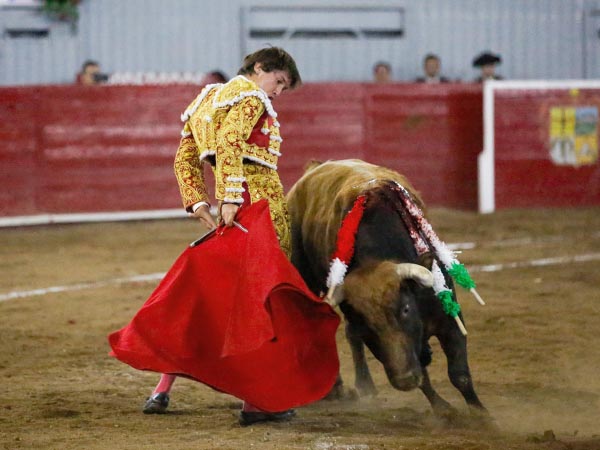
(272, 58)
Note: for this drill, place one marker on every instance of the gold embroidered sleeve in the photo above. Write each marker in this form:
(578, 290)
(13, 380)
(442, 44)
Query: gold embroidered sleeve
(231, 146)
(189, 171)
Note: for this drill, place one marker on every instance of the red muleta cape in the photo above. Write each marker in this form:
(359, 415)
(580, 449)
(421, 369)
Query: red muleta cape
(234, 313)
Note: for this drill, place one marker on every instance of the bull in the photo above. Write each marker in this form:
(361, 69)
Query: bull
(386, 297)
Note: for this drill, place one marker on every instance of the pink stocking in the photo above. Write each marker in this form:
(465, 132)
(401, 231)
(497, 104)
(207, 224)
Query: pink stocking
(165, 384)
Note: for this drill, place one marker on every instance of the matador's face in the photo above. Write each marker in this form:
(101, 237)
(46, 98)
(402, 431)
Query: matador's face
(273, 83)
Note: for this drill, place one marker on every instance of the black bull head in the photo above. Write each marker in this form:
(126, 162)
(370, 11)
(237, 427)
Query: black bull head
(379, 301)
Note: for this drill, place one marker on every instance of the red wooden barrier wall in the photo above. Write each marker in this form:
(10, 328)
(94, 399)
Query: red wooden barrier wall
(67, 149)
(526, 175)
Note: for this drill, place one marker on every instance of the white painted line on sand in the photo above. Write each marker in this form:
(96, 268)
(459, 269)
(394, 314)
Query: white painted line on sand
(81, 286)
(536, 263)
(49, 219)
(512, 242)
(457, 246)
(158, 276)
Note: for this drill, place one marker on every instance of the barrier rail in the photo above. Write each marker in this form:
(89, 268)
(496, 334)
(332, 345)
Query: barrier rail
(75, 149)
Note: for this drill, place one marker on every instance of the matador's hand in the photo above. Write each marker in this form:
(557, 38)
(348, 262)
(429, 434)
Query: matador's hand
(205, 217)
(228, 212)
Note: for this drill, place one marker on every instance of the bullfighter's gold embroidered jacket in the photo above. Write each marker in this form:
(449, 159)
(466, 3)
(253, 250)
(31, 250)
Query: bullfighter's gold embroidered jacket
(234, 127)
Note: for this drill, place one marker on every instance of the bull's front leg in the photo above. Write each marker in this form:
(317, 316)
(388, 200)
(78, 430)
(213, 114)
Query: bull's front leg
(441, 407)
(454, 345)
(362, 375)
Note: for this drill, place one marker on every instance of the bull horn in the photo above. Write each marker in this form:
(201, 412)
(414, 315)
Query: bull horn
(418, 273)
(334, 295)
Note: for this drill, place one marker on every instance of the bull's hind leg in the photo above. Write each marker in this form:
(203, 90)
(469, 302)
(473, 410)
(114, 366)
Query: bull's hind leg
(340, 392)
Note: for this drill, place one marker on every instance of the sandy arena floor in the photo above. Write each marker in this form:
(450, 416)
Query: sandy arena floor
(534, 349)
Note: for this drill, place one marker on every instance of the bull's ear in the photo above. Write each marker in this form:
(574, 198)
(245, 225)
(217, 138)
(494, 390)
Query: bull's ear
(415, 272)
(426, 260)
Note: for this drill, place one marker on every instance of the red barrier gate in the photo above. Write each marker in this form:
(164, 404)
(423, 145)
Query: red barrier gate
(541, 146)
(67, 149)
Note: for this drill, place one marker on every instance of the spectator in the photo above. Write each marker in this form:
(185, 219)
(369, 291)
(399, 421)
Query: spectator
(431, 67)
(487, 62)
(216, 76)
(90, 74)
(382, 72)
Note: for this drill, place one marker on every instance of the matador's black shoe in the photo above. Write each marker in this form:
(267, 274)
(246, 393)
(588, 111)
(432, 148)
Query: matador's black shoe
(250, 418)
(157, 403)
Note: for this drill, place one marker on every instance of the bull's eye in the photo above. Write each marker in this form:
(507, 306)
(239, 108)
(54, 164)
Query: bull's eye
(405, 310)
